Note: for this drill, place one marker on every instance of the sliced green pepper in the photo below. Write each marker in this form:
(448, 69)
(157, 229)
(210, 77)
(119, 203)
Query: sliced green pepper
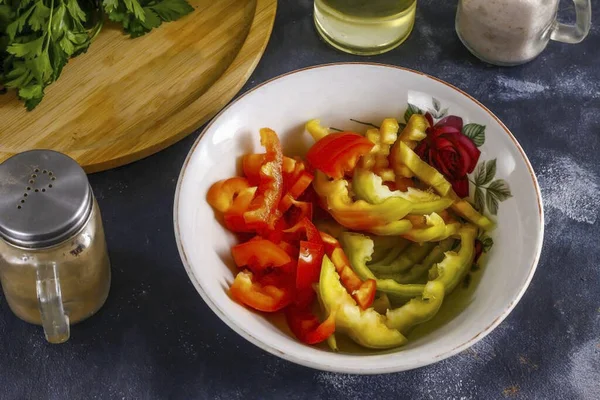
(316, 130)
(415, 129)
(451, 270)
(417, 310)
(332, 343)
(382, 303)
(383, 138)
(414, 254)
(390, 256)
(466, 210)
(422, 170)
(357, 214)
(432, 177)
(394, 228)
(369, 187)
(435, 256)
(366, 327)
(436, 230)
(359, 249)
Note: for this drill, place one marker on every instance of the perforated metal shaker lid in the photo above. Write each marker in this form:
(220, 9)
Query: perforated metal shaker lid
(45, 198)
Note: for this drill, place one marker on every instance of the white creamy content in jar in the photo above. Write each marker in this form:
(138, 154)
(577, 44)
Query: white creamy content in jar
(505, 31)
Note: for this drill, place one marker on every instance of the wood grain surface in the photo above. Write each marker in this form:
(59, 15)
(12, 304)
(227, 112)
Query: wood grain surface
(128, 98)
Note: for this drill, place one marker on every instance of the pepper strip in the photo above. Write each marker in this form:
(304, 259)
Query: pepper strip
(452, 269)
(432, 177)
(365, 327)
(357, 214)
(359, 249)
(262, 212)
(418, 270)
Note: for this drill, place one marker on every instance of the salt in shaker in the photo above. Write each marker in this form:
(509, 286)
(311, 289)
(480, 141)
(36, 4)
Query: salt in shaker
(54, 265)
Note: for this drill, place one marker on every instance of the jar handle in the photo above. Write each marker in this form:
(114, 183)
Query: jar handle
(54, 319)
(574, 33)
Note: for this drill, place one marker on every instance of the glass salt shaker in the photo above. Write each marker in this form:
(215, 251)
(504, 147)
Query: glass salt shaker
(54, 265)
(513, 32)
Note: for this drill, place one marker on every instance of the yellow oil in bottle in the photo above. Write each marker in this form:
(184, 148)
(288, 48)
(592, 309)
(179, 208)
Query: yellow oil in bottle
(365, 27)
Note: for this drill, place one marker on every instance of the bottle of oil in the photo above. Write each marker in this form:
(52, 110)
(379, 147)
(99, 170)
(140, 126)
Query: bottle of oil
(365, 27)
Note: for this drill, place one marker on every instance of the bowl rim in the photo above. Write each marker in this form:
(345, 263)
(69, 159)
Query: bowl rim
(349, 369)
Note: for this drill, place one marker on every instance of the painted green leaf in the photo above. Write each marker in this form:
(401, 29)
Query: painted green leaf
(487, 243)
(490, 171)
(491, 202)
(436, 104)
(499, 189)
(412, 109)
(479, 200)
(476, 133)
(480, 173)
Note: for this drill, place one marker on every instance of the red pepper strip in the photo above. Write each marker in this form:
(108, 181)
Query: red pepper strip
(300, 210)
(337, 153)
(330, 242)
(365, 294)
(362, 292)
(259, 254)
(263, 297)
(302, 183)
(308, 271)
(221, 194)
(276, 234)
(252, 163)
(262, 212)
(290, 249)
(307, 327)
(234, 216)
(305, 226)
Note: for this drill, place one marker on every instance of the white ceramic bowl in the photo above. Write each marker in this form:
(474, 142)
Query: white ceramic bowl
(335, 93)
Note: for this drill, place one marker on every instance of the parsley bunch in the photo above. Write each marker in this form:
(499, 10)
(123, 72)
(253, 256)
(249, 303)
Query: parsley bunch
(38, 37)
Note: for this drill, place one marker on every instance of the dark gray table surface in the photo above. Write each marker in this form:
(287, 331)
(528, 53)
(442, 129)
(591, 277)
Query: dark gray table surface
(156, 339)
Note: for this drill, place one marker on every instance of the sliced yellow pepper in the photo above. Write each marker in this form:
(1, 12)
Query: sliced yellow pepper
(436, 230)
(316, 130)
(357, 214)
(366, 327)
(452, 269)
(369, 187)
(417, 310)
(432, 177)
(359, 249)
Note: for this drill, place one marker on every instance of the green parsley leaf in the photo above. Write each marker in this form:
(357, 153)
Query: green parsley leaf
(171, 10)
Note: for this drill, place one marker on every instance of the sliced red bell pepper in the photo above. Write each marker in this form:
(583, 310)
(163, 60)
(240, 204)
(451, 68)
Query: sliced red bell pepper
(302, 183)
(307, 327)
(234, 216)
(304, 228)
(290, 249)
(262, 211)
(221, 194)
(365, 294)
(259, 254)
(338, 153)
(252, 163)
(298, 211)
(260, 296)
(307, 271)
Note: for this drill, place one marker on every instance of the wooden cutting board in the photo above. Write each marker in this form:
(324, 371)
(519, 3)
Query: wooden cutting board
(128, 98)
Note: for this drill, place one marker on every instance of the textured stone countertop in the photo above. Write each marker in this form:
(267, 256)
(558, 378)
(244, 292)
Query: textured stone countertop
(156, 339)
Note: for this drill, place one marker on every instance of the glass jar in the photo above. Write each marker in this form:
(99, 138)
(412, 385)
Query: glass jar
(54, 265)
(365, 27)
(513, 32)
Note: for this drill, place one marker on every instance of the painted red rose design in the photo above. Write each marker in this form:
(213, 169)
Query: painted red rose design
(449, 151)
